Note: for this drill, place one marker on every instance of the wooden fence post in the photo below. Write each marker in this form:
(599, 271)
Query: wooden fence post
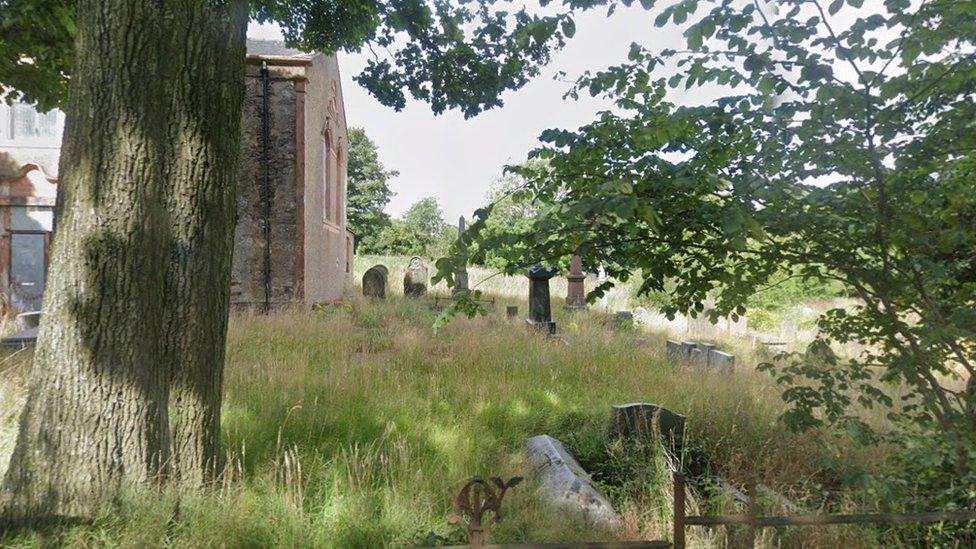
(752, 510)
(678, 536)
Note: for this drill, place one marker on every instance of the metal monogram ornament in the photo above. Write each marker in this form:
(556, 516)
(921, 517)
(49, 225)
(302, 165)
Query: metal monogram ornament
(474, 501)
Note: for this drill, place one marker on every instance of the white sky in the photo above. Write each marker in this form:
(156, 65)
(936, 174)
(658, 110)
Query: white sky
(454, 159)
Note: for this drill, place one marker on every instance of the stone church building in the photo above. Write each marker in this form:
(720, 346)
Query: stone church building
(291, 244)
(292, 181)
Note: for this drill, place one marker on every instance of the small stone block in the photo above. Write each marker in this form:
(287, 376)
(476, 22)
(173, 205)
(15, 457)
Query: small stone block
(511, 311)
(721, 361)
(674, 352)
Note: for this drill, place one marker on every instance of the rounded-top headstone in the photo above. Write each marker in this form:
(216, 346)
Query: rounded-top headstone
(415, 280)
(374, 281)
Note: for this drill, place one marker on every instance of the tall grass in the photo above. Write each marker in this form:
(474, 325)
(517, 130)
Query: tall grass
(352, 427)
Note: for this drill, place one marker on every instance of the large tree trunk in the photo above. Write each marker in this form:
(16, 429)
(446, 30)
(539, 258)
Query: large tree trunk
(137, 291)
(208, 97)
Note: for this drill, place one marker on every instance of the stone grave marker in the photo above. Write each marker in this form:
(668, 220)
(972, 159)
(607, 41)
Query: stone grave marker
(640, 421)
(565, 485)
(415, 280)
(698, 357)
(511, 311)
(374, 281)
(575, 289)
(675, 352)
(461, 277)
(540, 307)
(721, 361)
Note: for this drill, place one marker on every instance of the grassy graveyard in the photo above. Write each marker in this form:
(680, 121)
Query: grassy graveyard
(352, 427)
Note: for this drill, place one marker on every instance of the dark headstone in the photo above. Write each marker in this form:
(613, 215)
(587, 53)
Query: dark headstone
(698, 357)
(374, 281)
(641, 421)
(511, 311)
(415, 281)
(540, 307)
(575, 292)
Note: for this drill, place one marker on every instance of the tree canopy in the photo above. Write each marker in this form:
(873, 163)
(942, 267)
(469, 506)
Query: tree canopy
(451, 55)
(840, 147)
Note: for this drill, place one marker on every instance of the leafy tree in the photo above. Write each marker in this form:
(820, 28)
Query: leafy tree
(511, 214)
(368, 192)
(421, 231)
(129, 362)
(843, 153)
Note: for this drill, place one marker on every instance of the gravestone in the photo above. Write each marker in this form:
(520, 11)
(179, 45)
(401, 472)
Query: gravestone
(575, 289)
(718, 360)
(601, 277)
(511, 311)
(461, 277)
(374, 281)
(698, 357)
(565, 485)
(706, 349)
(415, 280)
(540, 308)
(624, 317)
(675, 352)
(641, 421)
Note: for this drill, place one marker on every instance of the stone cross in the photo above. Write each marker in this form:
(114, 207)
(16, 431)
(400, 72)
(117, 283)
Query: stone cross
(374, 281)
(540, 308)
(415, 280)
(575, 293)
(461, 277)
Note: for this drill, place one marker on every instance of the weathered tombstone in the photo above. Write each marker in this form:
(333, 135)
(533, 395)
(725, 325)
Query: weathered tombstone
(575, 289)
(706, 349)
(540, 308)
(461, 277)
(600, 279)
(374, 281)
(415, 281)
(698, 357)
(624, 317)
(674, 352)
(566, 486)
(686, 347)
(641, 421)
(511, 311)
(723, 362)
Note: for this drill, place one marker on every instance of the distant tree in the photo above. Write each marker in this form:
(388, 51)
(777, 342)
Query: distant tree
(421, 231)
(513, 215)
(368, 191)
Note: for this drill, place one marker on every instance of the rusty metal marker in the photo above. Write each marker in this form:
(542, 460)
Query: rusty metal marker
(474, 501)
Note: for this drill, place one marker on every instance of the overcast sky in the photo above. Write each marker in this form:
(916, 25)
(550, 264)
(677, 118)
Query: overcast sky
(455, 160)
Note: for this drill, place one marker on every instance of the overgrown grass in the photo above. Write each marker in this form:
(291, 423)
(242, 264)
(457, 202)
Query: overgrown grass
(353, 426)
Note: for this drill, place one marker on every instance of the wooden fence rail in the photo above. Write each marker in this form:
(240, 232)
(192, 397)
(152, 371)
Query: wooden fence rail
(753, 521)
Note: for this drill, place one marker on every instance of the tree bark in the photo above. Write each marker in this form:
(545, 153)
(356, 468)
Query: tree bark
(208, 97)
(137, 288)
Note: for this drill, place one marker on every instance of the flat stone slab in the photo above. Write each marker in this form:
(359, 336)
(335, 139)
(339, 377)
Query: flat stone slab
(565, 485)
